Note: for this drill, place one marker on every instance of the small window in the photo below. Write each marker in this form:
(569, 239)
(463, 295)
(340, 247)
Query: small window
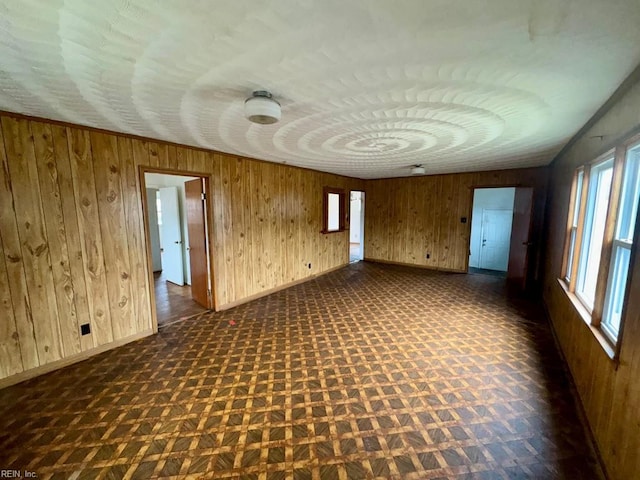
(334, 210)
(621, 245)
(593, 236)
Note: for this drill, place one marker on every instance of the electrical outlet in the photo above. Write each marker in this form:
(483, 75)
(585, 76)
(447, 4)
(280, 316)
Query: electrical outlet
(85, 329)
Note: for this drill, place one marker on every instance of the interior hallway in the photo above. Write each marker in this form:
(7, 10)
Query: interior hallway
(173, 302)
(370, 371)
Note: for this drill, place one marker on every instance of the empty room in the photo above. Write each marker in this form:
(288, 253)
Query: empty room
(320, 240)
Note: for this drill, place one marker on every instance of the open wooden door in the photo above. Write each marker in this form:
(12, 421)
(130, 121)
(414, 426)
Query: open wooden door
(520, 238)
(195, 207)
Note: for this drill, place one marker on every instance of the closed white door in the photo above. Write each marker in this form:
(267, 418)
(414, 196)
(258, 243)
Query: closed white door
(495, 239)
(171, 236)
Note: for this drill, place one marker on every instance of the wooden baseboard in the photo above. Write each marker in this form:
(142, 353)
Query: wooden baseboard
(414, 265)
(63, 362)
(264, 293)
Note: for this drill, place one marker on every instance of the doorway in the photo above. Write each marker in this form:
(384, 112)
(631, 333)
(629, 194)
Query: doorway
(500, 233)
(176, 219)
(491, 230)
(356, 226)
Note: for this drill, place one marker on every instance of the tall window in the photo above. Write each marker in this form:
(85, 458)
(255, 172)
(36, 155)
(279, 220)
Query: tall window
(621, 245)
(600, 237)
(594, 224)
(573, 229)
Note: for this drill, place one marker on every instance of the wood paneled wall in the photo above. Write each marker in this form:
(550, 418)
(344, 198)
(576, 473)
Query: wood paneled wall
(406, 218)
(609, 391)
(74, 249)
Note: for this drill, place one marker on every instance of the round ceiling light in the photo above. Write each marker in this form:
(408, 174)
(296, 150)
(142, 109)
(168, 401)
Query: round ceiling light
(262, 108)
(417, 170)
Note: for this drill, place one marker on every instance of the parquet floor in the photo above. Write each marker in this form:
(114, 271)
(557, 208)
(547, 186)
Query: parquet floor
(369, 372)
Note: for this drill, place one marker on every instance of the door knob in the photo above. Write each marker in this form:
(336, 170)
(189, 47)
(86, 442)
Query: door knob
(178, 242)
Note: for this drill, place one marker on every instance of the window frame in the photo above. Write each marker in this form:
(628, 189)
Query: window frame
(342, 206)
(612, 157)
(575, 220)
(571, 256)
(632, 246)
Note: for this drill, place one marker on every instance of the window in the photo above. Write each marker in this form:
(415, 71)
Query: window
(573, 228)
(333, 210)
(600, 233)
(593, 233)
(621, 245)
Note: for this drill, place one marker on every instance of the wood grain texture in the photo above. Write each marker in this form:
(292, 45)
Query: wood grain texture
(10, 355)
(74, 244)
(16, 279)
(72, 231)
(33, 237)
(196, 226)
(113, 228)
(88, 215)
(56, 237)
(406, 218)
(132, 204)
(609, 391)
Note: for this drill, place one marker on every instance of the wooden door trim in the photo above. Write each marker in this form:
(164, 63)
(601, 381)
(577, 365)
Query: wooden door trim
(142, 169)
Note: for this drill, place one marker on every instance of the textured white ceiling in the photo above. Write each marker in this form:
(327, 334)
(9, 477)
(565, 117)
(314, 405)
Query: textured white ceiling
(367, 87)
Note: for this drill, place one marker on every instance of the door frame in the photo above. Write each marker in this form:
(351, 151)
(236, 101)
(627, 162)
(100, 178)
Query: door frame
(208, 181)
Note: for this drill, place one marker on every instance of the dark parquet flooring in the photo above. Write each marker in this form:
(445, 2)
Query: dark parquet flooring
(369, 372)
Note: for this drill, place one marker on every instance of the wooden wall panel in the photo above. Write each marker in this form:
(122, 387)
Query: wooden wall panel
(609, 391)
(90, 235)
(10, 355)
(132, 205)
(113, 228)
(20, 152)
(406, 218)
(56, 237)
(72, 231)
(15, 268)
(73, 235)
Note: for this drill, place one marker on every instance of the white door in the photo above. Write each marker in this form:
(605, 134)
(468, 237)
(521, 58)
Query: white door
(171, 236)
(495, 239)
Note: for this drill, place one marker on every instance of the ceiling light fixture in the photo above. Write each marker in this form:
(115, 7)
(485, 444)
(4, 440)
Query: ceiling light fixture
(261, 108)
(418, 170)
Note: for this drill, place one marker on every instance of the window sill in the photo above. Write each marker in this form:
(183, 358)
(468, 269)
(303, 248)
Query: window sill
(326, 232)
(586, 317)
